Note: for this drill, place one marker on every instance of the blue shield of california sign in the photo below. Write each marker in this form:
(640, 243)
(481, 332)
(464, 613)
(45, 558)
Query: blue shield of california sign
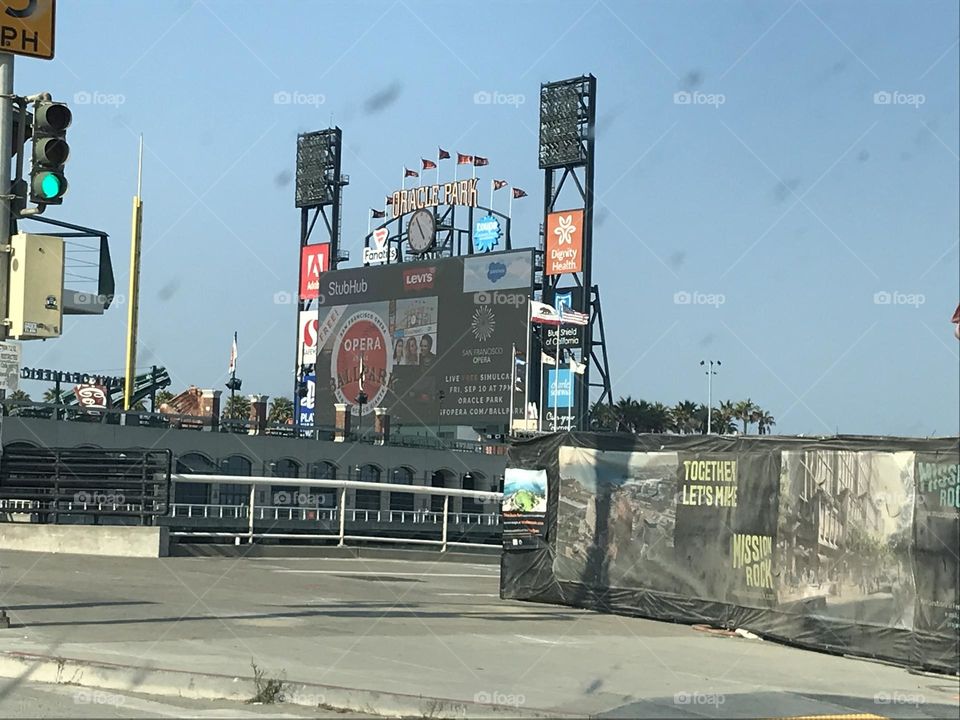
(486, 234)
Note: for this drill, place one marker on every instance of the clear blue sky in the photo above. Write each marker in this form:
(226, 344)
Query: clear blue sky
(797, 199)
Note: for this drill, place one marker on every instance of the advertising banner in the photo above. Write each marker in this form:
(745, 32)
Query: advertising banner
(850, 545)
(314, 261)
(564, 240)
(571, 336)
(430, 341)
(524, 507)
(303, 411)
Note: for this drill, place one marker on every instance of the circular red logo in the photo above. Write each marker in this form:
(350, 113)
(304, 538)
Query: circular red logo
(361, 348)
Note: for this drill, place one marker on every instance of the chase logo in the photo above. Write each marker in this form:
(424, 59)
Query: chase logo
(496, 271)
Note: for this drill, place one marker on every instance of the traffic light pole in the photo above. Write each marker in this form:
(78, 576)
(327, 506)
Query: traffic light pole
(6, 190)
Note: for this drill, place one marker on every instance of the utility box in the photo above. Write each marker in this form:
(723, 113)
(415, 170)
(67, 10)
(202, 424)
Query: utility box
(36, 287)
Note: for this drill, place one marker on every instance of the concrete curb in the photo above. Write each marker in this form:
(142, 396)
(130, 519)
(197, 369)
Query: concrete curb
(209, 686)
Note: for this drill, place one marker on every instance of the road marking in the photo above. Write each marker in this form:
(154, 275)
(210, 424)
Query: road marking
(377, 572)
(493, 595)
(544, 641)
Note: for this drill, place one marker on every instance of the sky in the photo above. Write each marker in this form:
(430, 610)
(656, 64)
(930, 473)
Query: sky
(796, 218)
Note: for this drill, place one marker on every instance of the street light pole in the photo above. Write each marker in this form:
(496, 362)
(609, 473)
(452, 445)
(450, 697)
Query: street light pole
(710, 372)
(440, 396)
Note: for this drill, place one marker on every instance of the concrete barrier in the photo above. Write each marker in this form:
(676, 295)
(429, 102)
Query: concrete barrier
(108, 540)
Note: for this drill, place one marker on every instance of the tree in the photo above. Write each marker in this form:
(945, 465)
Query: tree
(20, 395)
(627, 411)
(163, 396)
(237, 407)
(281, 410)
(765, 421)
(746, 411)
(684, 417)
(724, 418)
(603, 417)
(50, 395)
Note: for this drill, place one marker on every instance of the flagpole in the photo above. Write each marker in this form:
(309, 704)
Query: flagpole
(526, 374)
(438, 166)
(491, 195)
(510, 206)
(556, 376)
(572, 395)
(403, 179)
(513, 385)
(540, 408)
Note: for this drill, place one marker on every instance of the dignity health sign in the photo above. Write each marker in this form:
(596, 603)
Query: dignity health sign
(564, 242)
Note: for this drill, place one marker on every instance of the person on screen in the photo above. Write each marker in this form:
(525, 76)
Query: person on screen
(427, 355)
(398, 354)
(411, 354)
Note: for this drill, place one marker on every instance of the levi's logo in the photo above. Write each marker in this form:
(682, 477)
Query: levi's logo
(418, 279)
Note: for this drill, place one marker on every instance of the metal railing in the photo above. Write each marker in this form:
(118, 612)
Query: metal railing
(340, 515)
(50, 482)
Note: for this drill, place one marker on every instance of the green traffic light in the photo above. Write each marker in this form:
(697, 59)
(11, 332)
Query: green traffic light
(50, 186)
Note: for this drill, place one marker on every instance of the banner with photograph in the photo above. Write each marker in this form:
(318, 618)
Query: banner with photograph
(849, 545)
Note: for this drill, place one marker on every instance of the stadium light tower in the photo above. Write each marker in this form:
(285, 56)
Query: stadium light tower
(710, 372)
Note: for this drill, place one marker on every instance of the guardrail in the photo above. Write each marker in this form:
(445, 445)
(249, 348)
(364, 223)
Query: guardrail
(339, 515)
(50, 482)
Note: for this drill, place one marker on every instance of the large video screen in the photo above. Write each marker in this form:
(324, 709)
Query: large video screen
(432, 340)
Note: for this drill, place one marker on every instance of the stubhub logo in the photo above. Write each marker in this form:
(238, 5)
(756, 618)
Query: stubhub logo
(419, 279)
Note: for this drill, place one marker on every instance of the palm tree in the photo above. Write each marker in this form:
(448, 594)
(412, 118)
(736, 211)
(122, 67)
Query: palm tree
(684, 416)
(281, 410)
(236, 408)
(603, 417)
(658, 418)
(764, 421)
(745, 411)
(50, 395)
(724, 418)
(21, 395)
(627, 411)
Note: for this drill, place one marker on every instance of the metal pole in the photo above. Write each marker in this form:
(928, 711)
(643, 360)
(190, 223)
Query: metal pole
(710, 398)
(513, 386)
(6, 147)
(343, 512)
(556, 376)
(446, 508)
(253, 494)
(526, 374)
(540, 408)
(133, 301)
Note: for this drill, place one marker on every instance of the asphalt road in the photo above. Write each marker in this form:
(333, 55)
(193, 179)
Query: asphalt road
(420, 627)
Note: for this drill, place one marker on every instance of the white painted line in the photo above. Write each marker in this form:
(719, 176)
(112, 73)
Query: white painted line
(493, 595)
(375, 572)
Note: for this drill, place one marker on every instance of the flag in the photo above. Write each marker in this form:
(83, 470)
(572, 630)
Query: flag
(578, 368)
(956, 321)
(464, 159)
(519, 360)
(377, 213)
(518, 193)
(547, 359)
(233, 356)
(480, 161)
(543, 313)
(407, 172)
(572, 317)
(428, 164)
(442, 154)
(389, 200)
(497, 184)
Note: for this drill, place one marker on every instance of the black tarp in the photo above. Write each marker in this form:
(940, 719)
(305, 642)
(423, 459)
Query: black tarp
(844, 544)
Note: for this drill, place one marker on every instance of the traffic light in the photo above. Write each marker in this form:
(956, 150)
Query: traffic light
(50, 152)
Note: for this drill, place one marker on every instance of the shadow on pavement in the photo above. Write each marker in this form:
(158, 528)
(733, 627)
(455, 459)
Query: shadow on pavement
(709, 704)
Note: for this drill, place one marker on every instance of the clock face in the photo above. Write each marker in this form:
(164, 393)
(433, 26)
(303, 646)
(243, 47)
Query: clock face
(422, 231)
